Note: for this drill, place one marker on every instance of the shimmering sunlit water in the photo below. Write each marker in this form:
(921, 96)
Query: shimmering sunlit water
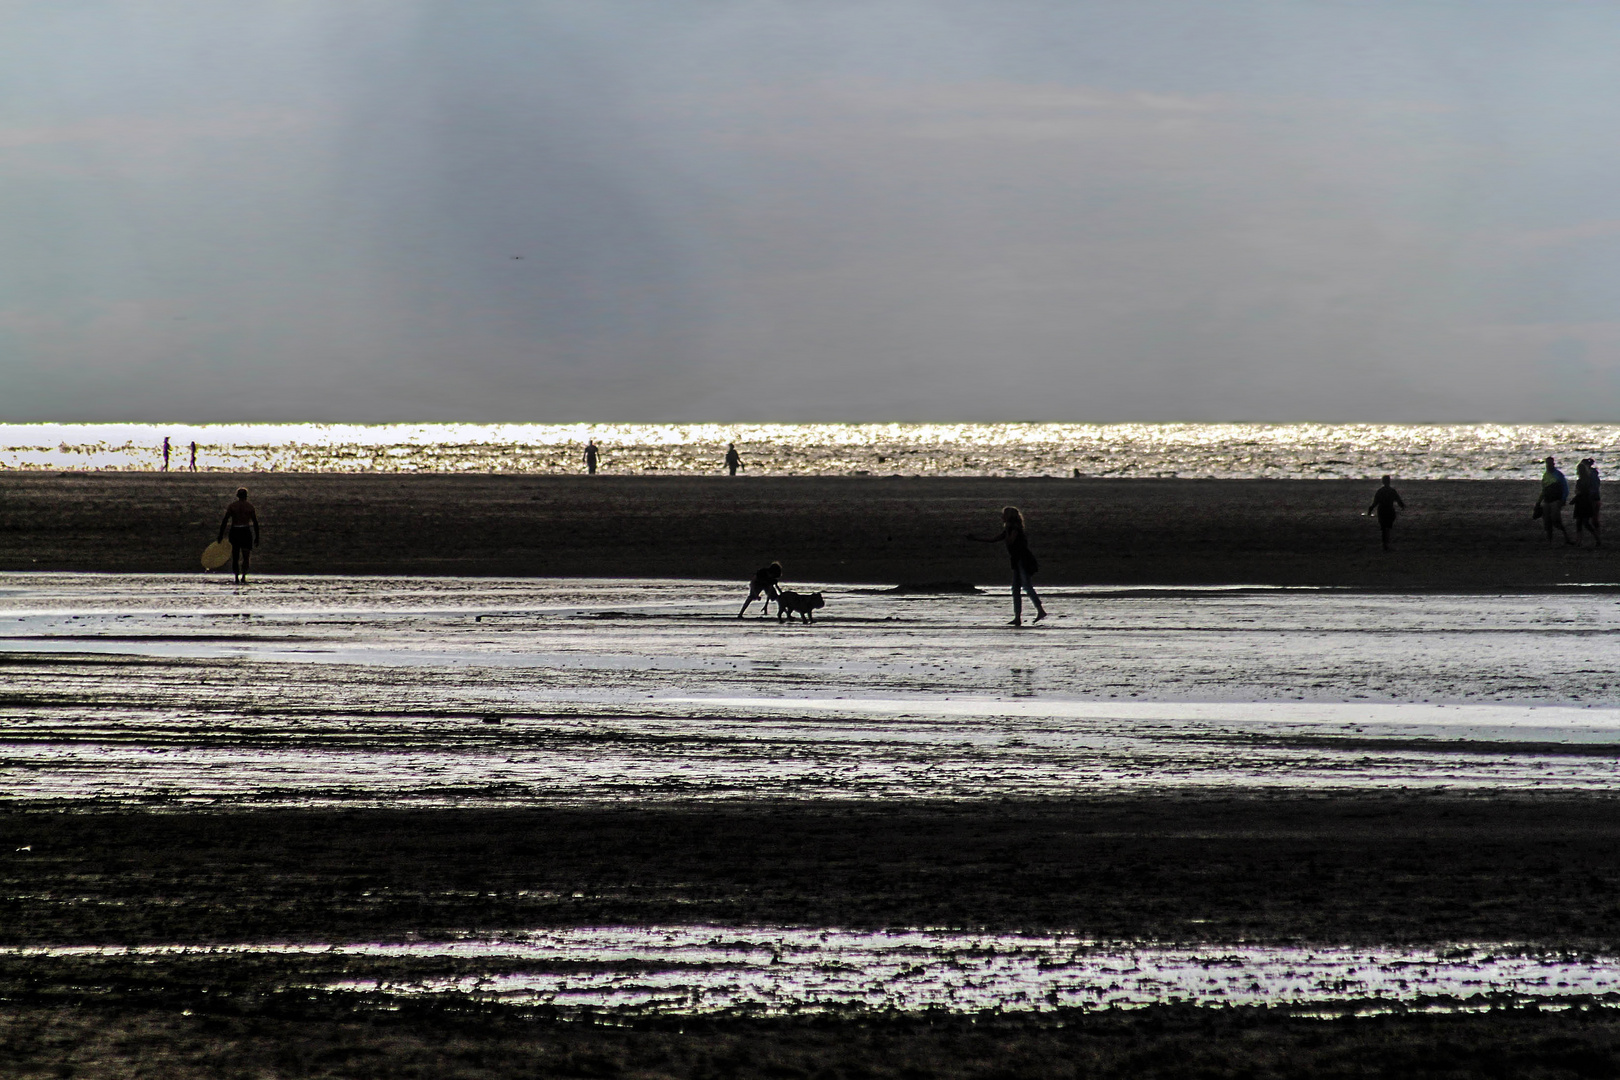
(1220, 451)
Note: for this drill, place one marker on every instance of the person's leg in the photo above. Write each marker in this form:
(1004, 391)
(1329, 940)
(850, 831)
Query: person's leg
(236, 564)
(247, 557)
(1029, 587)
(753, 593)
(1018, 598)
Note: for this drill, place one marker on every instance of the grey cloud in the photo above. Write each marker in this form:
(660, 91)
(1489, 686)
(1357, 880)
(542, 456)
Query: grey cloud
(750, 210)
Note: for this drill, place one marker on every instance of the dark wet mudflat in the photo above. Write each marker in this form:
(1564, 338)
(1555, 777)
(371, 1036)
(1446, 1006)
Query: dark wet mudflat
(190, 1039)
(1364, 870)
(654, 911)
(1458, 534)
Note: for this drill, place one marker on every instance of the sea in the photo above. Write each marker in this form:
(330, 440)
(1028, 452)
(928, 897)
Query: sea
(1194, 451)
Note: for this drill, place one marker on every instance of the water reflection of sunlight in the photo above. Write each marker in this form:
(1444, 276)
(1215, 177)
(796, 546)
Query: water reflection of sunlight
(1321, 451)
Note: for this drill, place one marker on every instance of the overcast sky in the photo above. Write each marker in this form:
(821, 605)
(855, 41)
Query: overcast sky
(748, 210)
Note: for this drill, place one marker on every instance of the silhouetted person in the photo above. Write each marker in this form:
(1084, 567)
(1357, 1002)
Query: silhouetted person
(1597, 499)
(243, 522)
(1554, 494)
(193, 457)
(1023, 563)
(165, 453)
(590, 457)
(733, 459)
(764, 583)
(1586, 502)
(1385, 500)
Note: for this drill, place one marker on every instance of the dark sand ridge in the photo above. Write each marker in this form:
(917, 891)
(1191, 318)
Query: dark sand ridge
(1458, 534)
(1341, 869)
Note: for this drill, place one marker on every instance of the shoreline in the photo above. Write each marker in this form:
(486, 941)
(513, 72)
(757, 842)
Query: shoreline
(1463, 535)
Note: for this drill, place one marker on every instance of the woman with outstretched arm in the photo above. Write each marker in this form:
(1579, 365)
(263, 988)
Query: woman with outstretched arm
(1023, 563)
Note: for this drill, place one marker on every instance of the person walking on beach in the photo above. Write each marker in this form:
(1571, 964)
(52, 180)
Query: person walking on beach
(193, 457)
(1585, 503)
(764, 583)
(1597, 500)
(243, 522)
(1023, 562)
(590, 457)
(1385, 500)
(165, 453)
(1554, 494)
(733, 459)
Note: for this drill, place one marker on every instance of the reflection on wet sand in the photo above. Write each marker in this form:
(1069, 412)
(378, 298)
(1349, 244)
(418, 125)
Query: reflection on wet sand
(765, 970)
(459, 691)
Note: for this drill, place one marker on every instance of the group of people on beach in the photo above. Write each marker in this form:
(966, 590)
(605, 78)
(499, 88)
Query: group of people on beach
(1586, 504)
(1549, 508)
(241, 523)
(593, 454)
(167, 451)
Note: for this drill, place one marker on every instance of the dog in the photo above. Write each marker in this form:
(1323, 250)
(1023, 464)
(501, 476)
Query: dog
(804, 605)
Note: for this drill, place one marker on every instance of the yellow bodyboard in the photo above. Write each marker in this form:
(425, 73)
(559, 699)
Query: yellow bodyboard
(216, 555)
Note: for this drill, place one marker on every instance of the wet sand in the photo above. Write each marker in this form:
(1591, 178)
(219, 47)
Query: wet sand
(1457, 535)
(1350, 869)
(1434, 869)
(434, 761)
(171, 690)
(190, 1037)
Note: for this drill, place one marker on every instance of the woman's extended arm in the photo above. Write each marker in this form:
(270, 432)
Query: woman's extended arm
(996, 539)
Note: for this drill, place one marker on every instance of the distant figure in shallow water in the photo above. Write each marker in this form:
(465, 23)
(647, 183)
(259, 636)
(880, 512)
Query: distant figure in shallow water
(243, 522)
(1023, 562)
(193, 457)
(1385, 500)
(733, 459)
(1554, 494)
(1586, 502)
(165, 453)
(764, 583)
(590, 457)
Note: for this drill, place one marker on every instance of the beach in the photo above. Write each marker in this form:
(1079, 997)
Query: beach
(1471, 535)
(352, 823)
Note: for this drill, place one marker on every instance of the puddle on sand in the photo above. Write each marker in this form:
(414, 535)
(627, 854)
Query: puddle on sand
(706, 969)
(415, 691)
